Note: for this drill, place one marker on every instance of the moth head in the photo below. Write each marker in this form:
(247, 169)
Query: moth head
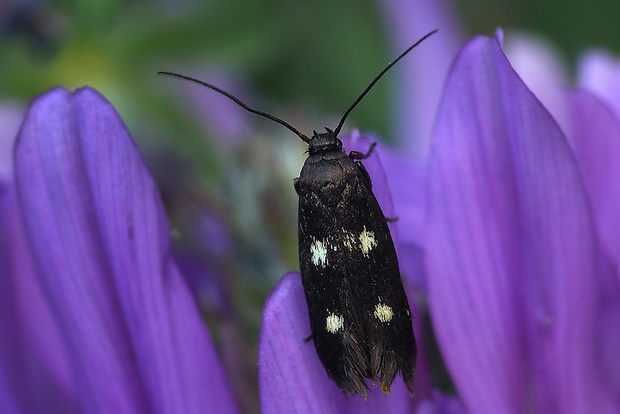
(323, 142)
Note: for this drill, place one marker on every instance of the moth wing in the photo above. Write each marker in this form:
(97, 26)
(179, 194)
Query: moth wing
(359, 313)
(375, 273)
(335, 318)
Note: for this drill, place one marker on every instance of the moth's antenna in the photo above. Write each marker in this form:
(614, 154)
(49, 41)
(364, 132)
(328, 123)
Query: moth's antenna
(238, 102)
(376, 79)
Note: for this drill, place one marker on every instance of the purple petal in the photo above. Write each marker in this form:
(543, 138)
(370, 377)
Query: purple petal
(7, 401)
(407, 177)
(407, 181)
(541, 68)
(510, 247)
(599, 72)
(291, 376)
(440, 403)
(424, 74)
(595, 140)
(100, 241)
(32, 355)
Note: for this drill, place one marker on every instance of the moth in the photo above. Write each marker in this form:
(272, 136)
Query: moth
(360, 318)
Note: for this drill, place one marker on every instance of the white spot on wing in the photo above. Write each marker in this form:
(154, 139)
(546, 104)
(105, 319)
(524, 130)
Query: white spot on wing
(319, 253)
(383, 312)
(334, 323)
(367, 241)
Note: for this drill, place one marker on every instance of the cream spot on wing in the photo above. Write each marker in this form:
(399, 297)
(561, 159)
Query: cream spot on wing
(367, 241)
(334, 323)
(383, 312)
(319, 253)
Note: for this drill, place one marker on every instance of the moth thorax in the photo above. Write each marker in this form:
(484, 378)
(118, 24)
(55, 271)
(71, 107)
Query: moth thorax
(323, 143)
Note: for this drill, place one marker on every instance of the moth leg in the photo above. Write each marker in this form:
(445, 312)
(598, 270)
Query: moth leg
(391, 219)
(356, 155)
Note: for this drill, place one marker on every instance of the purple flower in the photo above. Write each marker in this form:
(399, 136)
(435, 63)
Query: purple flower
(94, 312)
(523, 291)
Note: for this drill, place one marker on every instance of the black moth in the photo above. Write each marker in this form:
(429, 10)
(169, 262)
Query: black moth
(359, 314)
